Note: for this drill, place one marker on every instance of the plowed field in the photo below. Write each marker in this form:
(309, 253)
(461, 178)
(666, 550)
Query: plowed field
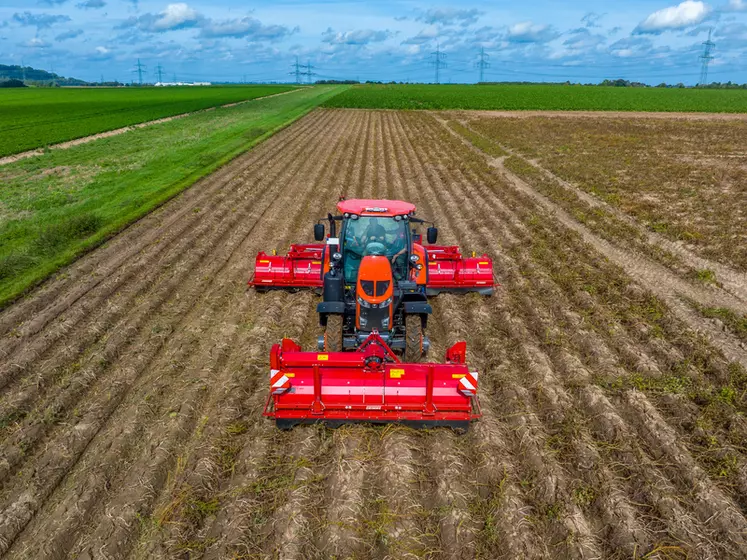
(132, 384)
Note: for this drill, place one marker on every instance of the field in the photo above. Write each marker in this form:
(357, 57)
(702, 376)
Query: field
(55, 206)
(132, 384)
(34, 118)
(537, 96)
(685, 179)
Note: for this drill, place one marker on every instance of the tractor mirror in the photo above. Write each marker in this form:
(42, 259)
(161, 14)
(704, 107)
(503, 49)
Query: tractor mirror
(319, 232)
(432, 235)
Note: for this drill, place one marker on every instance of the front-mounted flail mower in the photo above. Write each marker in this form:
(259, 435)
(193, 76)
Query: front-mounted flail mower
(375, 278)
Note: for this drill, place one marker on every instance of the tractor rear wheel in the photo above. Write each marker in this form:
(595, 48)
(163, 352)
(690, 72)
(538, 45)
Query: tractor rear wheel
(413, 338)
(333, 333)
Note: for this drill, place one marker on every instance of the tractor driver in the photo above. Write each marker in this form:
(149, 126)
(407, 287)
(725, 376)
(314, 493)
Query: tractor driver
(375, 234)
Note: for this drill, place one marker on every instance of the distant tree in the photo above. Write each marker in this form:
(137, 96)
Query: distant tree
(13, 83)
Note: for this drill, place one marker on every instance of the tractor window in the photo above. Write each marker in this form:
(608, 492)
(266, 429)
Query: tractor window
(368, 287)
(371, 235)
(381, 287)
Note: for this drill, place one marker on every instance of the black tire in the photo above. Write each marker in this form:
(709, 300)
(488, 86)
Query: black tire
(333, 333)
(414, 338)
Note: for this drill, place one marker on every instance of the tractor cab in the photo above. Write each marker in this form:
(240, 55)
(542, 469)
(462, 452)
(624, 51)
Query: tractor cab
(364, 236)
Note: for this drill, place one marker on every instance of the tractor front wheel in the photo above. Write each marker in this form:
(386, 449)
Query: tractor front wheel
(333, 333)
(414, 335)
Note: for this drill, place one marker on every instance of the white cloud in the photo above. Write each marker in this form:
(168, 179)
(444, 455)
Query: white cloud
(40, 21)
(582, 40)
(450, 16)
(737, 5)
(35, 43)
(174, 16)
(681, 16)
(91, 5)
(248, 27)
(425, 36)
(102, 50)
(528, 32)
(357, 37)
(67, 35)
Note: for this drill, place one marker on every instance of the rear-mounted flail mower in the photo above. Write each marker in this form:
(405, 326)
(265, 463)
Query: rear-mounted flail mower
(375, 279)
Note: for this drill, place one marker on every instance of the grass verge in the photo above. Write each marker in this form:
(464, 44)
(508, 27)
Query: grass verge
(57, 206)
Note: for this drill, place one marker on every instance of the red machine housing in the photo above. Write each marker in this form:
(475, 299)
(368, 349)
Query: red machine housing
(304, 267)
(370, 384)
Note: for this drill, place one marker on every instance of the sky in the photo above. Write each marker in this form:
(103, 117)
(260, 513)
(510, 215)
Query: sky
(652, 41)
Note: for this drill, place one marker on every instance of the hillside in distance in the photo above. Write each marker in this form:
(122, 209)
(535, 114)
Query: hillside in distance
(29, 74)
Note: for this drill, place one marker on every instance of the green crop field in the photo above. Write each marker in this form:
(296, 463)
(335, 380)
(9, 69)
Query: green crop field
(60, 204)
(33, 118)
(540, 97)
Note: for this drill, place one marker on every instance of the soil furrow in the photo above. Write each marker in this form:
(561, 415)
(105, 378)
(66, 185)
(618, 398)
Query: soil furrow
(110, 283)
(283, 233)
(733, 281)
(99, 359)
(111, 402)
(314, 185)
(737, 521)
(443, 193)
(654, 276)
(97, 266)
(609, 428)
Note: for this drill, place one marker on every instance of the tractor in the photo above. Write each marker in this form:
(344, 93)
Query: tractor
(375, 275)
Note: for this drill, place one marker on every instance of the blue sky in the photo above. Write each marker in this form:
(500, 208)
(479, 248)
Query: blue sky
(231, 40)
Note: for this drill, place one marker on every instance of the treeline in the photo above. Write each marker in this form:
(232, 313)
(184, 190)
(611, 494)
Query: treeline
(12, 83)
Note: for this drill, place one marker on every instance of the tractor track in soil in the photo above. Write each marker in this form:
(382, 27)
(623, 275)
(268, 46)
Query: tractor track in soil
(132, 384)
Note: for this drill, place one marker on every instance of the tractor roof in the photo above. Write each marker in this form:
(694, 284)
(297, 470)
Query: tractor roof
(371, 207)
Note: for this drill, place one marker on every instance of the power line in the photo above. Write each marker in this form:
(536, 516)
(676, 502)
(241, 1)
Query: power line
(159, 71)
(706, 57)
(308, 72)
(482, 64)
(297, 71)
(438, 61)
(140, 68)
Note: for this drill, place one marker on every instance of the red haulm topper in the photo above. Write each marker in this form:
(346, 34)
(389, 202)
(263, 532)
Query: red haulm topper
(303, 267)
(370, 384)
